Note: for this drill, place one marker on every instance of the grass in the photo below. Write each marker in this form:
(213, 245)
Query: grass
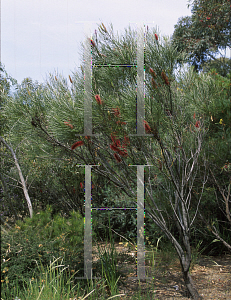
(56, 281)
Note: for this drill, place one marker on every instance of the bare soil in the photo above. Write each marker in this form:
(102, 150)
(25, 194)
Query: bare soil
(212, 275)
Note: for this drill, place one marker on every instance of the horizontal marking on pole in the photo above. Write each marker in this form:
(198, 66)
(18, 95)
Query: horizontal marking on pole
(119, 65)
(104, 208)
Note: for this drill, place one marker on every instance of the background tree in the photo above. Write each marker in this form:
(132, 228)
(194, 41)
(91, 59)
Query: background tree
(204, 33)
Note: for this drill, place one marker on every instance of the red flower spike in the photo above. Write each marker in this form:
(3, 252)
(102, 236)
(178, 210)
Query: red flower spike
(163, 75)
(71, 126)
(154, 85)
(194, 116)
(98, 99)
(197, 124)
(117, 157)
(147, 127)
(153, 73)
(81, 185)
(117, 143)
(113, 138)
(114, 148)
(126, 141)
(116, 111)
(156, 37)
(77, 144)
(166, 81)
(123, 153)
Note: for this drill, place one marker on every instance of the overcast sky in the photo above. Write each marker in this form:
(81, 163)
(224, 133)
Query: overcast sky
(42, 36)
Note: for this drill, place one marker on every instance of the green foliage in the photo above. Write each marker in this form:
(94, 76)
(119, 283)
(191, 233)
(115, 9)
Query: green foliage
(205, 31)
(221, 65)
(39, 239)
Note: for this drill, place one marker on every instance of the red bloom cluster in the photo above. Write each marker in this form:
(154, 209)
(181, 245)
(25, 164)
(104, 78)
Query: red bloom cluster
(116, 111)
(197, 124)
(153, 73)
(165, 78)
(117, 157)
(77, 144)
(116, 145)
(81, 185)
(154, 85)
(114, 148)
(122, 123)
(126, 141)
(68, 124)
(156, 36)
(98, 99)
(147, 127)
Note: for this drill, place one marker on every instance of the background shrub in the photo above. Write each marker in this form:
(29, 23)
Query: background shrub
(38, 240)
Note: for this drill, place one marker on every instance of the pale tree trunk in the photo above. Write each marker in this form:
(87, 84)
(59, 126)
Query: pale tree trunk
(20, 175)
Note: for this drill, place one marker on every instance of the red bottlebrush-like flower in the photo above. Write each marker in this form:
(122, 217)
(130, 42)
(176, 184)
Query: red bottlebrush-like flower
(123, 153)
(70, 79)
(81, 185)
(70, 125)
(197, 124)
(156, 36)
(163, 75)
(153, 73)
(113, 138)
(126, 140)
(117, 143)
(194, 116)
(117, 157)
(98, 99)
(154, 85)
(114, 148)
(77, 144)
(147, 127)
(165, 78)
(116, 111)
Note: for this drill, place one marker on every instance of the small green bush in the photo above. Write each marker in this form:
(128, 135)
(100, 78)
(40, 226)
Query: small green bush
(37, 241)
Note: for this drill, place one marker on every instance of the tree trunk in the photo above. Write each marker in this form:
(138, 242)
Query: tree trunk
(20, 175)
(191, 288)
